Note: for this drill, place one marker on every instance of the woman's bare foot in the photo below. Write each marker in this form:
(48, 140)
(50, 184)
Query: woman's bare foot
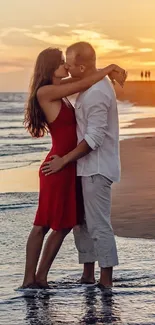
(43, 284)
(30, 286)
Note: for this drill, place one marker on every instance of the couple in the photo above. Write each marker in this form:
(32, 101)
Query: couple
(77, 174)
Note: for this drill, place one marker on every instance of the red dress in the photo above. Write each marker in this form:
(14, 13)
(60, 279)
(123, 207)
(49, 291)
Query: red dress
(60, 203)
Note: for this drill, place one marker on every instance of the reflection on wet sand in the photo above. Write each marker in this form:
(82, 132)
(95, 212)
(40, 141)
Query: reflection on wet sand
(93, 307)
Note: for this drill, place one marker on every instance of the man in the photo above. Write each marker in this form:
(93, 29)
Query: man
(98, 164)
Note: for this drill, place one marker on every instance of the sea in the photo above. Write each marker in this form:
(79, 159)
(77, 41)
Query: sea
(132, 299)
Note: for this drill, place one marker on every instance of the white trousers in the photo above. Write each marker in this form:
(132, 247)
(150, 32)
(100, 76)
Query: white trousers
(95, 239)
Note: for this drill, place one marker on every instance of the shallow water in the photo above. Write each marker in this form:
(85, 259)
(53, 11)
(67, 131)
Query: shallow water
(132, 299)
(17, 148)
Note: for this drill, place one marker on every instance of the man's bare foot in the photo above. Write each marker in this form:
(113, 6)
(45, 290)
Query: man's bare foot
(107, 291)
(84, 280)
(103, 286)
(88, 276)
(106, 277)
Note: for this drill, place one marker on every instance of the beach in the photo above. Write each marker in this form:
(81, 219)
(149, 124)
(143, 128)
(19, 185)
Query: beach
(133, 208)
(137, 92)
(133, 201)
(133, 211)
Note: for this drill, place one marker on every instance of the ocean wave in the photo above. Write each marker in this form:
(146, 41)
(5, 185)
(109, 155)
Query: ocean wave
(17, 164)
(18, 150)
(13, 199)
(12, 97)
(12, 118)
(11, 128)
(15, 137)
(10, 110)
(16, 206)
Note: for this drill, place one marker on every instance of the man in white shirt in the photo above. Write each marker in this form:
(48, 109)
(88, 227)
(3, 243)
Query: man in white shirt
(98, 164)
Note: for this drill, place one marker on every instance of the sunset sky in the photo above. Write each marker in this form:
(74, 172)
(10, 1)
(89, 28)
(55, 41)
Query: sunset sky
(122, 32)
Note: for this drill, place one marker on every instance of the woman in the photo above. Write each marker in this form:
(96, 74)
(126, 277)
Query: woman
(57, 209)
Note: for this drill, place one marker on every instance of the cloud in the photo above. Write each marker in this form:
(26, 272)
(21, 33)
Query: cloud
(148, 63)
(28, 42)
(93, 25)
(18, 43)
(5, 31)
(100, 41)
(146, 40)
(51, 26)
(42, 26)
(60, 38)
(47, 38)
(63, 25)
(23, 37)
(87, 34)
(145, 50)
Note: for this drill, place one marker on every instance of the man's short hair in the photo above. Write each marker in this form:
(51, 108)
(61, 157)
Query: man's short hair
(84, 53)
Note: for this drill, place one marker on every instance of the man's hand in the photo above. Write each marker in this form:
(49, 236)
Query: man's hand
(53, 166)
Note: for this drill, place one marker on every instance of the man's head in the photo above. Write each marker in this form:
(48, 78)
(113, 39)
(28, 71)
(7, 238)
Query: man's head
(80, 58)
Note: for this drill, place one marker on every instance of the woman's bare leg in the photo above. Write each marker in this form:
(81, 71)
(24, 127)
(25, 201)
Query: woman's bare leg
(33, 249)
(50, 251)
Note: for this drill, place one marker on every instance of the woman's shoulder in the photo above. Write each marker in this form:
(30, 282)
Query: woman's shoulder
(43, 92)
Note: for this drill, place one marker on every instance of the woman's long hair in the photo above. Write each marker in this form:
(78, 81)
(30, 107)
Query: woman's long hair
(47, 62)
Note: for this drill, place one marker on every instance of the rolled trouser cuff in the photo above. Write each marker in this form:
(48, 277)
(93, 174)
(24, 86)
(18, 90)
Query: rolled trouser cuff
(87, 257)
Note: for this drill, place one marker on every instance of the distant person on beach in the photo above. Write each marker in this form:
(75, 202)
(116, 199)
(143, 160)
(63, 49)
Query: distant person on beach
(142, 75)
(146, 75)
(149, 74)
(60, 198)
(98, 164)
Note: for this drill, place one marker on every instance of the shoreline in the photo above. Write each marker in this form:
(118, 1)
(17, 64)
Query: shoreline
(139, 93)
(133, 203)
(147, 122)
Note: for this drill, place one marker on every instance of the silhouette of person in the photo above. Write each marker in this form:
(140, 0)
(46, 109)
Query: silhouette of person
(149, 74)
(146, 74)
(142, 74)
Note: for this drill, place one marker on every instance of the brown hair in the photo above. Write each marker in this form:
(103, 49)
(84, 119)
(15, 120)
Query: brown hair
(85, 53)
(47, 62)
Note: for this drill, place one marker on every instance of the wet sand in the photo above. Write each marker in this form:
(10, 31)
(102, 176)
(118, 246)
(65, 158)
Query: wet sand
(138, 92)
(24, 179)
(133, 208)
(142, 123)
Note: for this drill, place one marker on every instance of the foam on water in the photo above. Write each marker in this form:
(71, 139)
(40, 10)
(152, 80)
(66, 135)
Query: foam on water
(16, 144)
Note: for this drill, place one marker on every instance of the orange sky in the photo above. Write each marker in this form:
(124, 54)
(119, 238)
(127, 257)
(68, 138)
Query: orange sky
(122, 32)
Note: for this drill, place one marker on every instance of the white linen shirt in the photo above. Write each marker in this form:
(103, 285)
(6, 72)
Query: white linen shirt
(97, 123)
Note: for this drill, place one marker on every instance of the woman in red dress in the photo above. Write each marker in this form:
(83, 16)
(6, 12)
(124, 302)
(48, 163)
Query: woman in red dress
(48, 110)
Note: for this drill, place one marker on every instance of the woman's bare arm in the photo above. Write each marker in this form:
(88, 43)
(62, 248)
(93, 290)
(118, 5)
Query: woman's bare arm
(54, 92)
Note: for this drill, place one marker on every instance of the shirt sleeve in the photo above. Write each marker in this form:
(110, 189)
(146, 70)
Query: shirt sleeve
(96, 105)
